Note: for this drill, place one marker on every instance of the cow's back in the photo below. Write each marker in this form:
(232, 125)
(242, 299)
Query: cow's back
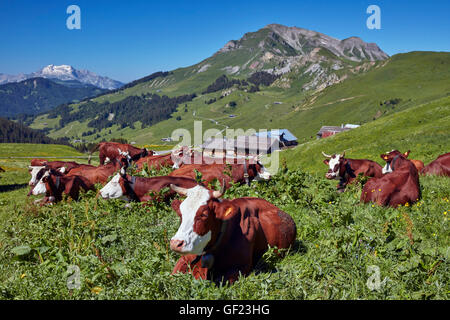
(278, 227)
(393, 189)
(367, 167)
(440, 166)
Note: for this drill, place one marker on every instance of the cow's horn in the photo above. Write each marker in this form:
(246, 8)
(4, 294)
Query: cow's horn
(179, 190)
(218, 194)
(326, 155)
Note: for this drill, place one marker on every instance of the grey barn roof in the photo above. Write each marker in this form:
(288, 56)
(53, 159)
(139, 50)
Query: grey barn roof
(332, 128)
(251, 143)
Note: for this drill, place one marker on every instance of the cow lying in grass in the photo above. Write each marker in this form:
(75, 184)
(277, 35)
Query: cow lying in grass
(220, 239)
(110, 151)
(237, 173)
(142, 189)
(400, 184)
(101, 173)
(439, 167)
(155, 162)
(53, 184)
(347, 170)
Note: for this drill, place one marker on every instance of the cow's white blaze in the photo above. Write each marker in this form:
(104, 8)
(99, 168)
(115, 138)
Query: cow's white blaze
(112, 190)
(333, 174)
(386, 169)
(34, 170)
(263, 174)
(193, 242)
(40, 186)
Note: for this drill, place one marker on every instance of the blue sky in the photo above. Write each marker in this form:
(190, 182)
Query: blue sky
(126, 40)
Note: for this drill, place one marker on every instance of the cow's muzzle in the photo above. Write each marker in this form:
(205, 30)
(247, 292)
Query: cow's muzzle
(177, 245)
(330, 175)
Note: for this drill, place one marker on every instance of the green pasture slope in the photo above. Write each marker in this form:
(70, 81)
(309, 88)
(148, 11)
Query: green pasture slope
(123, 253)
(423, 129)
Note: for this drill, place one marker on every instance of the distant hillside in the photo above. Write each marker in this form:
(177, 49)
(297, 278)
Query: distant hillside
(424, 129)
(12, 132)
(37, 95)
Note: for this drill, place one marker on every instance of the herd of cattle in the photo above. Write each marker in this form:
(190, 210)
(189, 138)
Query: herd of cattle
(218, 238)
(396, 184)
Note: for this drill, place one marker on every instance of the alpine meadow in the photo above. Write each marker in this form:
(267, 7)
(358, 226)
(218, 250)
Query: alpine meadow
(351, 117)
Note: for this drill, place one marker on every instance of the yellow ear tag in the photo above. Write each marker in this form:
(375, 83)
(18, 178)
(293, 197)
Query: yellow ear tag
(229, 210)
(385, 158)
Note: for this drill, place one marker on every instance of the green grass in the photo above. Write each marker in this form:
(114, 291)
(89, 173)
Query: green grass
(124, 253)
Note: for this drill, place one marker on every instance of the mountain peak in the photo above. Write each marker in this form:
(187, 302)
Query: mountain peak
(66, 72)
(294, 41)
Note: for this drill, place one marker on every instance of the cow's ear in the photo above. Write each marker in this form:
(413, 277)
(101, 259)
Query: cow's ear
(384, 157)
(176, 206)
(225, 211)
(326, 161)
(406, 154)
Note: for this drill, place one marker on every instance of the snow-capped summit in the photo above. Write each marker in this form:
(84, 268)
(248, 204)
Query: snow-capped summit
(62, 70)
(66, 72)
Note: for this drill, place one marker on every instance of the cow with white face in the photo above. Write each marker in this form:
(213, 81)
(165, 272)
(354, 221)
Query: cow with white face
(334, 164)
(221, 239)
(39, 186)
(35, 171)
(126, 187)
(347, 170)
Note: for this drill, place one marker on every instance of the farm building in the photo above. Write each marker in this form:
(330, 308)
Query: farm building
(285, 137)
(327, 131)
(241, 146)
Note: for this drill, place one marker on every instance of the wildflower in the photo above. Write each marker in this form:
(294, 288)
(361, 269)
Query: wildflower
(23, 275)
(407, 204)
(445, 213)
(96, 290)
(379, 189)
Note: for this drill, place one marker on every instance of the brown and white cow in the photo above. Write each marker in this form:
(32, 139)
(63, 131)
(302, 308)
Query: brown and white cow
(39, 166)
(114, 150)
(439, 166)
(54, 183)
(347, 170)
(156, 162)
(132, 188)
(400, 184)
(238, 173)
(101, 173)
(220, 239)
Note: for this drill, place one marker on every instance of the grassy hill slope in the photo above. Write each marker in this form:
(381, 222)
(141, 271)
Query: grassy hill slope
(424, 129)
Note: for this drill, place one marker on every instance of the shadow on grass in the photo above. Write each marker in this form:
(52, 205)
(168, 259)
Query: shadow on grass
(11, 187)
